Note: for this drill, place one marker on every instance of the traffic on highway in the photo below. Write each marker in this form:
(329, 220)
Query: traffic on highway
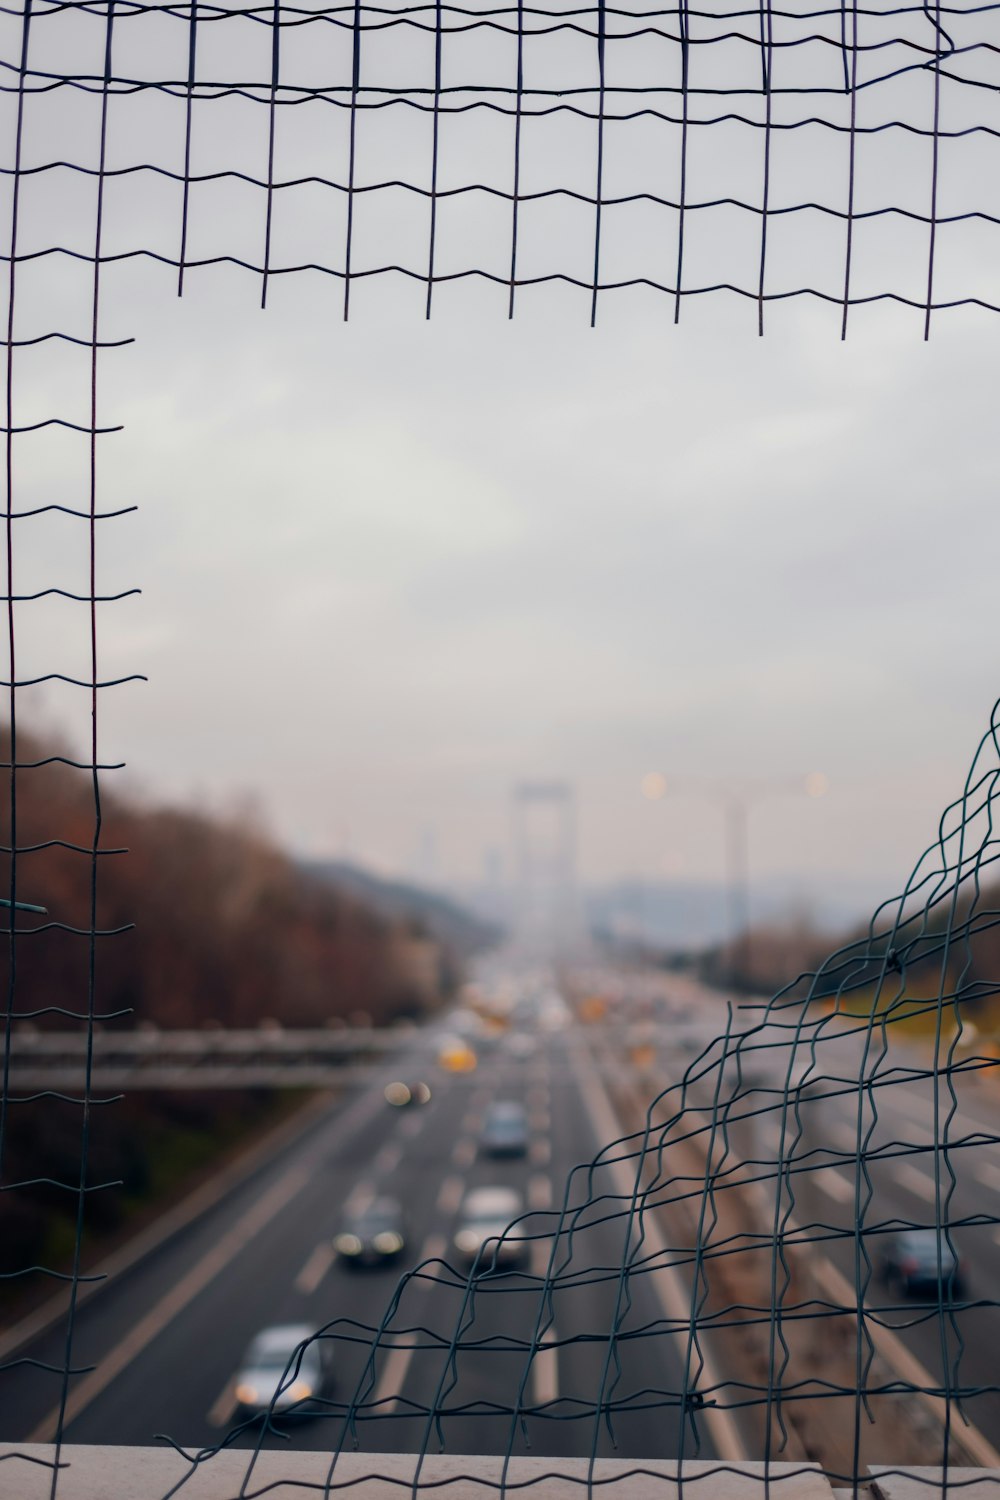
(450, 1248)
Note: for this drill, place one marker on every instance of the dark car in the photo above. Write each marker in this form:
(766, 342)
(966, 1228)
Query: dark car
(505, 1130)
(910, 1265)
(374, 1236)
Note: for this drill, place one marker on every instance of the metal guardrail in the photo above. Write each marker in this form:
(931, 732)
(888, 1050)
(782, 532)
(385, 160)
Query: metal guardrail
(145, 1058)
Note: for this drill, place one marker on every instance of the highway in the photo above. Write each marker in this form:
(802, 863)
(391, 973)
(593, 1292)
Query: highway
(899, 1158)
(166, 1339)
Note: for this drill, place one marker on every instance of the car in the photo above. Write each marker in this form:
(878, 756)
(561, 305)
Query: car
(486, 1238)
(373, 1236)
(520, 1044)
(505, 1129)
(402, 1095)
(910, 1265)
(456, 1056)
(284, 1366)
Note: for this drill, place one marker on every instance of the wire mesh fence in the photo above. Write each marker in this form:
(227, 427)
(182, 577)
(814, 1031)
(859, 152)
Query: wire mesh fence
(844, 155)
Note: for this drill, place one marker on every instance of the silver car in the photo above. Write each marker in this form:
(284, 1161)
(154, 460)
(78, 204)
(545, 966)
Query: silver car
(486, 1238)
(278, 1374)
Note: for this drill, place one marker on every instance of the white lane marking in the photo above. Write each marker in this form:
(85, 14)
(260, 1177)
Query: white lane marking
(464, 1153)
(434, 1247)
(844, 1138)
(539, 1191)
(922, 1111)
(450, 1195)
(539, 1121)
(545, 1370)
(315, 1268)
(541, 1254)
(472, 1124)
(666, 1285)
(201, 1275)
(913, 1181)
(389, 1386)
(988, 1175)
(835, 1186)
(388, 1159)
(223, 1408)
(359, 1198)
(411, 1126)
(539, 1152)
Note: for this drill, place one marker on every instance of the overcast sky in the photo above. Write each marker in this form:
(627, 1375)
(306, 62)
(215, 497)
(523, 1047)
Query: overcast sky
(391, 568)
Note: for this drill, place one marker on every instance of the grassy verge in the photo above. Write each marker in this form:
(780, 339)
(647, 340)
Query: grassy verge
(146, 1153)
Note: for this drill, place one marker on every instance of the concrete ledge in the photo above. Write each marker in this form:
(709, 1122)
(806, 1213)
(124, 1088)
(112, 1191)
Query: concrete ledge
(105, 1473)
(108, 1473)
(925, 1484)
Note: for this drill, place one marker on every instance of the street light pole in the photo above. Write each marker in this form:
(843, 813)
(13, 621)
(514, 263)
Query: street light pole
(737, 816)
(736, 800)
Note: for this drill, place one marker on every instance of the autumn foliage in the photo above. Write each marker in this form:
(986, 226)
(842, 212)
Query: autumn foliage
(227, 929)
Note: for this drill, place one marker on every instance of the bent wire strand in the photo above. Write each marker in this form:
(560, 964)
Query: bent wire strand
(862, 991)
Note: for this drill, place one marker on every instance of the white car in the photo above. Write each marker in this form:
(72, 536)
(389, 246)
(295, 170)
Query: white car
(278, 1374)
(486, 1237)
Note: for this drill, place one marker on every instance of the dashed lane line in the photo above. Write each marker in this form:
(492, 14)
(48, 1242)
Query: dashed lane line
(899, 1100)
(450, 1196)
(911, 1180)
(539, 1152)
(539, 1191)
(389, 1386)
(541, 1254)
(201, 1275)
(464, 1153)
(545, 1370)
(223, 1408)
(359, 1198)
(411, 1126)
(388, 1158)
(834, 1185)
(988, 1175)
(315, 1268)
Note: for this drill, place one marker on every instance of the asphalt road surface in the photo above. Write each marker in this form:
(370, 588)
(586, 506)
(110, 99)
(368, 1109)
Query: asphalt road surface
(959, 1349)
(164, 1342)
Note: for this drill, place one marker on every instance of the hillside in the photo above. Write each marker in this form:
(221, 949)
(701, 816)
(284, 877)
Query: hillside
(228, 929)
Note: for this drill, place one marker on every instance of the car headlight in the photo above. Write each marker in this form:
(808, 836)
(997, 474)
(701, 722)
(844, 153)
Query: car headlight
(468, 1241)
(299, 1390)
(347, 1244)
(388, 1242)
(247, 1395)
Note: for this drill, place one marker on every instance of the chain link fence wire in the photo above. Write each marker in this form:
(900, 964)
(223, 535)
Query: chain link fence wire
(844, 155)
(860, 1073)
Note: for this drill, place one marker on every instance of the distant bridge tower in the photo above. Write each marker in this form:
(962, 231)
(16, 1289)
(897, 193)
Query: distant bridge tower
(547, 916)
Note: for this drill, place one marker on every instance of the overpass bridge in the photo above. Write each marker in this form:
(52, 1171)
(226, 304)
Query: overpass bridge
(210, 1058)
